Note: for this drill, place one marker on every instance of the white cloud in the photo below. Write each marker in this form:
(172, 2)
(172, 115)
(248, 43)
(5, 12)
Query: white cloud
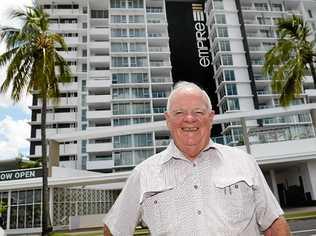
(5, 9)
(13, 135)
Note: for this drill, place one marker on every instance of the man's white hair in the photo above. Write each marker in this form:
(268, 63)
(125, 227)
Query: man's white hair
(184, 85)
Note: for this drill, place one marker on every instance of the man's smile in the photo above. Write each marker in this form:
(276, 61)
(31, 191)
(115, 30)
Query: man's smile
(190, 129)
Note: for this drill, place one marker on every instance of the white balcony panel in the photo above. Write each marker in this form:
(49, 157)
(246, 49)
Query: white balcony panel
(105, 59)
(58, 117)
(72, 86)
(99, 147)
(104, 44)
(54, 27)
(99, 73)
(100, 31)
(72, 101)
(311, 93)
(54, 12)
(68, 54)
(99, 99)
(71, 40)
(100, 164)
(99, 114)
(52, 132)
(98, 83)
(64, 149)
(68, 164)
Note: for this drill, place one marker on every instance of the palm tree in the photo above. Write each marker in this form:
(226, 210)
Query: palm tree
(34, 66)
(290, 59)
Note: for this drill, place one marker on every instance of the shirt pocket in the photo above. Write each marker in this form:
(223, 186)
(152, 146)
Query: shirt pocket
(159, 212)
(235, 197)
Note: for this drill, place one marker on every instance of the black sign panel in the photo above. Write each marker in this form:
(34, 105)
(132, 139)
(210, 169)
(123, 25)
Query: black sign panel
(189, 45)
(21, 174)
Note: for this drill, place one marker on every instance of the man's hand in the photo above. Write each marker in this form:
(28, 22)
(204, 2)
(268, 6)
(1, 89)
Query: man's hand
(107, 231)
(278, 228)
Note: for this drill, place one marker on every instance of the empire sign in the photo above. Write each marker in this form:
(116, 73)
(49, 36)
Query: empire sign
(20, 174)
(201, 35)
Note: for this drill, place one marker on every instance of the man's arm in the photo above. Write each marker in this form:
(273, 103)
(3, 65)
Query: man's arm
(107, 231)
(278, 228)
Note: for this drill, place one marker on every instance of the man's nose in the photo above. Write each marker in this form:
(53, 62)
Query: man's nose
(189, 117)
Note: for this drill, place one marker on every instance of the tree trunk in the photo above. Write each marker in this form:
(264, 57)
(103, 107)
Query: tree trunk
(312, 67)
(45, 208)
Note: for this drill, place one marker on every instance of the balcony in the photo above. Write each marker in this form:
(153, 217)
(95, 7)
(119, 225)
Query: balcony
(158, 49)
(99, 31)
(100, 164)
(99, 73)
(100, 58)
(160, 94)
(72, 86)
(160, 64)
(99, 44)
(56, 27)
(93, 99)
(102, 114)
(64, 101)
(160, 109)
(64, 149)
(59, 117)
(162, 142)
(98, 83)
(99, 147)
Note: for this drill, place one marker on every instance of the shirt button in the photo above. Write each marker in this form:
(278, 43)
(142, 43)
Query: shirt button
(199, 212)
(195, 186)
(155, 202)
(194, 165)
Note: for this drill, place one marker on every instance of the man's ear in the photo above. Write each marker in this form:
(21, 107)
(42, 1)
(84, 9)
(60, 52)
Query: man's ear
(167, 117)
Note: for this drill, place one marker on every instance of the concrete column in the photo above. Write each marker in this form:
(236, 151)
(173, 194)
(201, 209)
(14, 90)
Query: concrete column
(313, 114)
(274, 185)
(53, 156)
(245, 134)
(9, 209)
(311, 168)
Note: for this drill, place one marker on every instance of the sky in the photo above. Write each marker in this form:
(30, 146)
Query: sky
(14, 129)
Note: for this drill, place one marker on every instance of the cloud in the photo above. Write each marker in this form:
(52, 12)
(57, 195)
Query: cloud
(5, 9)
(13, 135)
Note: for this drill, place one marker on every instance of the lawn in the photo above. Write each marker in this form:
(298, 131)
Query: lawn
(300, 215)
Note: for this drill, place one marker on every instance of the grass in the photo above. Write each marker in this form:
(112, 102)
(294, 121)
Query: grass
(138, 232)
(300, 215)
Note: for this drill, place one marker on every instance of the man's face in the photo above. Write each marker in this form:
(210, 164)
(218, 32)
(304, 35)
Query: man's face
(189, 121)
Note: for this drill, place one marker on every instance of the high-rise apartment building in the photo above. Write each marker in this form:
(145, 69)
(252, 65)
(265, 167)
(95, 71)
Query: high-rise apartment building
(126, 54)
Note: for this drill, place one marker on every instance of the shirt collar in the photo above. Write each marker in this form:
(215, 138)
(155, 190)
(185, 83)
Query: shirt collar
(172, 151)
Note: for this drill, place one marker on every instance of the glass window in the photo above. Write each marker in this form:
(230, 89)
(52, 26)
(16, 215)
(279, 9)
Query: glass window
(119, 62)
(139, 77)
(220, 19)
(121, 121)
(218, 4)
(136, 19)
(224, 45)
(121, 109)
(227, 59)
(138, 61)
(222, 31)
(123, 141)
(229, 75)
(119, 32)
(119, 47)
(231, 89)
(118, 3)
(135, 3)
(276, 6)
(120, 78)
(140, 92)
(137, 47)
(123, 158)
(118, 19)
(261, 6)
(141, 155)
(141, 140)
(120, 93)
(141, 108)
(139, 120)
(137, 32)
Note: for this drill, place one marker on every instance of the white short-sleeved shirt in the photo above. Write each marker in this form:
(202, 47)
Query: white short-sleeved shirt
(221, 192)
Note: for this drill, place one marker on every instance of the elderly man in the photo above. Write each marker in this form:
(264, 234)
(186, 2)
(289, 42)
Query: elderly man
(196, 187)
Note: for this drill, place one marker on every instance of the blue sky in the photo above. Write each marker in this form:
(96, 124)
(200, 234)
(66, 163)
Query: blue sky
(14, 129)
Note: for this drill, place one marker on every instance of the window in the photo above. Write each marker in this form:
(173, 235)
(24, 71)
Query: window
(276, 7)
(220, 19)
(141, 155)
(218, 4)
(261, 6)
(119, 62)
(119, 32)
(118, 3)
(121, 121)
(230, 104)
(123, 141)
(139, 120)
(222, 32)
(120, 93)
(119, 47)
(136, 19)
(137, 32)
(135, 3)
(141, 140)
(119, 78)
(138, 61)
(224, 45)
(123, 158)
(118, 19)
(141, 108)
(139, 78)
(231, 89)
(121, 109)
(137, 47)
(227, 59)
(229, 75)
(140, 92)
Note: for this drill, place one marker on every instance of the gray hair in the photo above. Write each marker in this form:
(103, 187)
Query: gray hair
(183, 85)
